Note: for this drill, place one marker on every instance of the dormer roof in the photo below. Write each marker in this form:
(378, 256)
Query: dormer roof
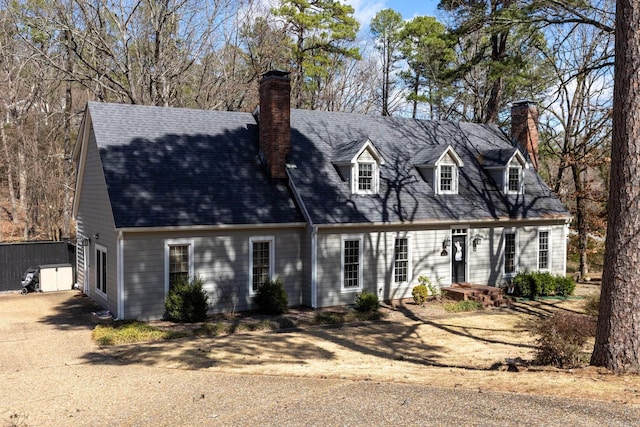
(349, 152)
(431, 156)
(501, 158)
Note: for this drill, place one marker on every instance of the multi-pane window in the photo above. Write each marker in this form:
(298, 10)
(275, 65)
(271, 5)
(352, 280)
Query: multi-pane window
(178, 263)
(365, 177)
(101, 270)
(260, 263)
(543, 250)
(510, 252)
(401, 261)
(514, 179)
(351, 264)
(446, 178)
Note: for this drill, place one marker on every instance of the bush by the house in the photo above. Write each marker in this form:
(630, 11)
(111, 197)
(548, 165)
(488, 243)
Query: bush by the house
(187, 301)
(420, 294)
(367, 301)
(561, 338)
(535, 284)
(271, 297)
(565, 286)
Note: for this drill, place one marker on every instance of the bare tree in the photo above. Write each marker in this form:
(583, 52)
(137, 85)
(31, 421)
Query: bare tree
(579, 126)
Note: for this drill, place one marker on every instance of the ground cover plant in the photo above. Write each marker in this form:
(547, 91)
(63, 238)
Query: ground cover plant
(131, 332)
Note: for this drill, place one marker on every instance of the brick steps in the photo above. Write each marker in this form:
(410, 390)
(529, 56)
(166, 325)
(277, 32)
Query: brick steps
(488, 296)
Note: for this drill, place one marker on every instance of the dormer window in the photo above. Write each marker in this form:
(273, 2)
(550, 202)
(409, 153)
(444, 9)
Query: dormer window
(506, 166)
(513, 180)
(365, 177)
(358, 162)
(440, 166)
(448, 179)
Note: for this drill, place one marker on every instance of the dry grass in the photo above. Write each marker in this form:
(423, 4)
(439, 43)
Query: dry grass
(484, 350)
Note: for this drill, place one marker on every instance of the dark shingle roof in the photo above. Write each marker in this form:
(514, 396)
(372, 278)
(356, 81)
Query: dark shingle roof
(170, 167)
(404, 195)
(183, 167)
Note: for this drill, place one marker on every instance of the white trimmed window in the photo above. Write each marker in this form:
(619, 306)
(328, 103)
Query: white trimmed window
(261, 261)
(543, 249)
(101, 269)
(178, 261)
(351, 263)
(514, 180)
(510, 252)
(366, 177)
(447, 176)
(402, 260)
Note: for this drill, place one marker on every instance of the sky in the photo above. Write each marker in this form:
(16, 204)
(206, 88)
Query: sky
(366, 9)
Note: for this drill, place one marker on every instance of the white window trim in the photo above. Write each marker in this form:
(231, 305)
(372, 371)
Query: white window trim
(504, 252)
(375, 177)
(549, 246)
(520, 180)
(409, 263)
(360, 239)
(272, 255)
(99, 291)
(177, 242)
(454, 179)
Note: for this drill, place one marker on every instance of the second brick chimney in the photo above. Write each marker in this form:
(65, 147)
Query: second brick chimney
(524, 128)
(275, 122)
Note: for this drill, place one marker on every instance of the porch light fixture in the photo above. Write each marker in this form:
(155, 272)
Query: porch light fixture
(96, 236)
(476, 241)
(446, 242)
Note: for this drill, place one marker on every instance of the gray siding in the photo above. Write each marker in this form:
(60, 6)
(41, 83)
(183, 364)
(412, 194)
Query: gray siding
(485, 265)
(221, 259)
(378, 263)
(95, 217)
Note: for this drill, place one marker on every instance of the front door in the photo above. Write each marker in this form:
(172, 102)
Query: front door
(458, 259)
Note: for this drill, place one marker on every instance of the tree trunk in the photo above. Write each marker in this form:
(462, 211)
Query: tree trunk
(617, 345)
(68, 166)
(581, 218)
(12, 191)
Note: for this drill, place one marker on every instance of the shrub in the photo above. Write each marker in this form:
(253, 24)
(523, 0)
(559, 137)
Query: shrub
(592, 305)
(420, 294)
(462, 306)
(187, 301)
(534, 284)
(545, 282)
(271, 297)
(564, 286)
(521, 285)
(367, 302)
(561, 338)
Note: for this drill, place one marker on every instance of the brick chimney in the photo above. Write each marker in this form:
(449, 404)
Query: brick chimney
(524, 128)
(274, 122)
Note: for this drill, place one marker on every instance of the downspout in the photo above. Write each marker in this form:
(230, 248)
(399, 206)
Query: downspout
(314, 238)
(120, 275)
(314, 266)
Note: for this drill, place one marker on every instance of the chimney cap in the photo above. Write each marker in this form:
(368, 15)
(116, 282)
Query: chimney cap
(523, 102)
(276, 73)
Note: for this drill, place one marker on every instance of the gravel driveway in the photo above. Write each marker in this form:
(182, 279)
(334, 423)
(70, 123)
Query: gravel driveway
(52, 374)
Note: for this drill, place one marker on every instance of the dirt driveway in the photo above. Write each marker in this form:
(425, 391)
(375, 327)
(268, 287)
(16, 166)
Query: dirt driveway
(52, 373)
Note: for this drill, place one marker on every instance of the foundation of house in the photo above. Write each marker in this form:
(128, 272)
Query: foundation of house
(488, 296)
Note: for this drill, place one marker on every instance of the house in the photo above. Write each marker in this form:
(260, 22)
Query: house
(331, 203)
